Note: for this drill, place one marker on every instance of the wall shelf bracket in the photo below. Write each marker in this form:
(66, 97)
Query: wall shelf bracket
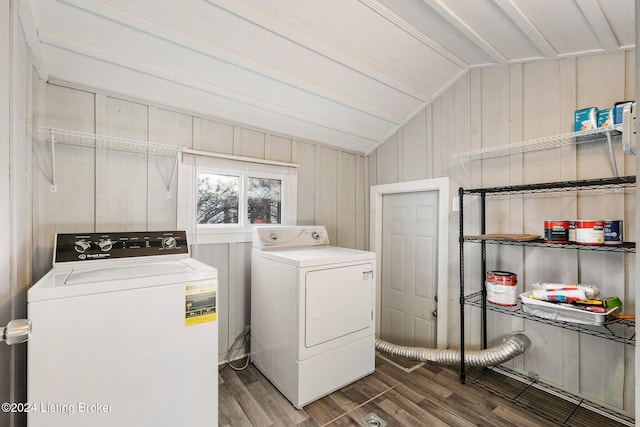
(174, 170)
(612, 157)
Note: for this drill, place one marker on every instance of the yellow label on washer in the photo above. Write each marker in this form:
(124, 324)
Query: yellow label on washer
(200, 302)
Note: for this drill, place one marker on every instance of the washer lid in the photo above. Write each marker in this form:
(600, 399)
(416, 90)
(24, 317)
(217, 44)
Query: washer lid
(147, 270)
(78, 280)
(315, 256)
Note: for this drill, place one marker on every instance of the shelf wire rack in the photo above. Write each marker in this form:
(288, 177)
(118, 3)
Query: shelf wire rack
(628, 247)
(556, 141)
(71, 137)
(618, 330)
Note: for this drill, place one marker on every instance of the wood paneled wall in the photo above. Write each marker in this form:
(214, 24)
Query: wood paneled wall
(500, 105)
(15, 201)
(106, 190)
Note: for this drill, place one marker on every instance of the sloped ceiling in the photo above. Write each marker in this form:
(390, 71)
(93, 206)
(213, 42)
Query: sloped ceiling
(343, 72)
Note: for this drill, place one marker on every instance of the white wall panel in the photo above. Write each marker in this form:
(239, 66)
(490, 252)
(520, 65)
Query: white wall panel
(306, 183)
(347, 200)
(171, 128)
(248, 143)
(239, 291)
(15, 200)
(372, 162)
(118, 210)
(326, 190)
(600, 83)
(278, 148)
(212, 136)
(414, 149)
(71, 207)
(387, 161)
(6, 370)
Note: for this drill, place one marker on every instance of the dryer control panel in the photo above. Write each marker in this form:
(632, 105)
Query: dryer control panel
(283, 237)
(97, 246)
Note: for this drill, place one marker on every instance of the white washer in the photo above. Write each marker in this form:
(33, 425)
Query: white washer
(124, 333)
(312, 311)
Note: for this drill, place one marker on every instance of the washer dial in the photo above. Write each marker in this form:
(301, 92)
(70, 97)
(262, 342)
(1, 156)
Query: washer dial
(105, 245)
(169, 242)
(82, 245)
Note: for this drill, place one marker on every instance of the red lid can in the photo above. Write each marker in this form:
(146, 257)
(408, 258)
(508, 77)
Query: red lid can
(504, 278)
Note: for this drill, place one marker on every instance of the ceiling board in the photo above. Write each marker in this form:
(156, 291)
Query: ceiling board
(342, 72)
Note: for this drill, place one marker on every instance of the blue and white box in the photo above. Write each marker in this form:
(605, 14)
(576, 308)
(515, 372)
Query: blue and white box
(585, 119)
(605, 118)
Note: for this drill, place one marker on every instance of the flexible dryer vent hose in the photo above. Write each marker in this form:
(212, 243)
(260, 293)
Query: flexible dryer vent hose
(510, 348)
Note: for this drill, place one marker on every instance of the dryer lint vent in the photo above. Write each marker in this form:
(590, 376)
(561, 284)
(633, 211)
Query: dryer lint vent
(372, 420)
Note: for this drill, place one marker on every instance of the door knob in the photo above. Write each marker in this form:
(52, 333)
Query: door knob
(16, 332)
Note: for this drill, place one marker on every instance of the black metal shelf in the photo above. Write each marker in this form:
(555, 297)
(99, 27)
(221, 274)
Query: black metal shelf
(478, 377)
(547, 187)
(622, 331)
(628, 247)
(618, 330)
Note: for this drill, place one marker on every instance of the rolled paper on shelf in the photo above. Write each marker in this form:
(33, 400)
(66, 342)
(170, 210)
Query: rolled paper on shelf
(590, 290)
(559, 295)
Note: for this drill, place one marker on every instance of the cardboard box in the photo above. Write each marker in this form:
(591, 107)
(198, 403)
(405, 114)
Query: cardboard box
(586, 118)
(605, 118)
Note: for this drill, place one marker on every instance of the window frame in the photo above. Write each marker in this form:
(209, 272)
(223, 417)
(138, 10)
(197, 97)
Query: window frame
(189, 171)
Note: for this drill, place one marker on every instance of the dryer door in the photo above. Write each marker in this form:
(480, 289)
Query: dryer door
(339, 301)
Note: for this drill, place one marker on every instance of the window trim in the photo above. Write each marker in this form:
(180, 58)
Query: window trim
(188, 173)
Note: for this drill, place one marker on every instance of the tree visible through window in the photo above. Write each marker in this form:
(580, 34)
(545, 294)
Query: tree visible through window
(264, 201)
(218, 199)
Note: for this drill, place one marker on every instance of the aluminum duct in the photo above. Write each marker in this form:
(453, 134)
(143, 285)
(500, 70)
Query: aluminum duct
(510, 348)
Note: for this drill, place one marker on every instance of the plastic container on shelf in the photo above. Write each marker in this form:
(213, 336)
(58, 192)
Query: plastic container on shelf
(563, 313)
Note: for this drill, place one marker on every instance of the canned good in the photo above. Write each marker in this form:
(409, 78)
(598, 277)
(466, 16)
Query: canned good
(556, 231)
(613, 234)
(590, 232)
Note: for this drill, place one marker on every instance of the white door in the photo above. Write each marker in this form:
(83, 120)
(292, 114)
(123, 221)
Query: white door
(409, 268)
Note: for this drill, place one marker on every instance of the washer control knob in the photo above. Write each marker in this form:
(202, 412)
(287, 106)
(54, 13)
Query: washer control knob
(105, 245)
(169, 242)
(315, 235)
(82, 245)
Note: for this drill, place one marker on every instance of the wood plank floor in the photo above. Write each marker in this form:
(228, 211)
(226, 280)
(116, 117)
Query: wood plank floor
(430, 395)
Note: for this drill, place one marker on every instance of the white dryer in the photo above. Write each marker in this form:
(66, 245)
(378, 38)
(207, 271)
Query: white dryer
(312, 311)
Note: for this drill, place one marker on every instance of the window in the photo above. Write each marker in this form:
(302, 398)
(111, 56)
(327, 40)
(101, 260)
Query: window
(264, 201)
(217, 199)
(220, 200)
